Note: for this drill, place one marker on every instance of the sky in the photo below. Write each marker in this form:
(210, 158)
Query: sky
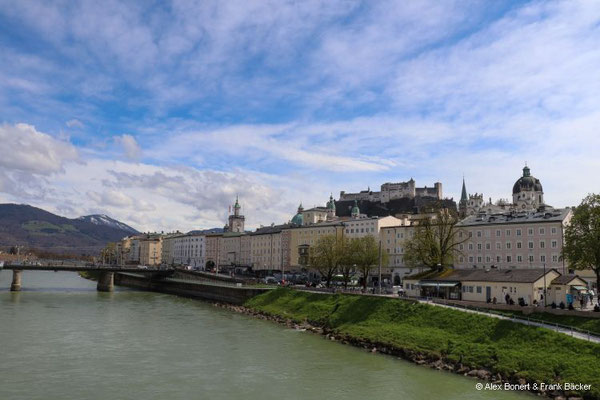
(160, 113)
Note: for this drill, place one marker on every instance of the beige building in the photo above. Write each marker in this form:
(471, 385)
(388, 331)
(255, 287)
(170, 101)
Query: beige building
(151, 250)
(297, 240)
(483, 285)
(513, 240)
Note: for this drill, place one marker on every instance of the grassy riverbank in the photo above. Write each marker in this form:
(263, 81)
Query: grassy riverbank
(511, 349)
(587, 324)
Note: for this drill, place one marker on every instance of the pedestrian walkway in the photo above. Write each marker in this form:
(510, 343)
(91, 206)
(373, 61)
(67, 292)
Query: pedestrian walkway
(525, 321)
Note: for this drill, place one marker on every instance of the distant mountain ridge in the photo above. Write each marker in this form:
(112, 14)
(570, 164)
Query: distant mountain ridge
(24, 225)
(105, 220)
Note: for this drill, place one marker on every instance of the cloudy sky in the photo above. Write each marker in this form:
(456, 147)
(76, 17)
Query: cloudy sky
(159, 113)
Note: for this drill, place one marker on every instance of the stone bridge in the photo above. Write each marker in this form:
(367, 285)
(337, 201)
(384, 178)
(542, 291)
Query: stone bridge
(106, 280)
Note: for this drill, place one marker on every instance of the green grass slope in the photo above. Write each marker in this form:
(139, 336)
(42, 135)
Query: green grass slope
(505, 347)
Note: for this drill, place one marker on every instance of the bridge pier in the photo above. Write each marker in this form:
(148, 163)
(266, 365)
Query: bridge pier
(106, 282)
(16, 282)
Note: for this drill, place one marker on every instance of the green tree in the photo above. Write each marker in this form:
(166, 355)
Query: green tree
(347, 266)
(365, 253)
(326, 256)
(582, 236)
(435, 241)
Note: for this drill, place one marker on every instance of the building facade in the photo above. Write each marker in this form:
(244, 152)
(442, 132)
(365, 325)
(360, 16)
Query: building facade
(512, 240)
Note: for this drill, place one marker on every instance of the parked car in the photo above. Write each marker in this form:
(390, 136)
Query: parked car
(142, 266)
(270, 279)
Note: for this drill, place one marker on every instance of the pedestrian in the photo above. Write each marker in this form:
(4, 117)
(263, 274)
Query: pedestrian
(581, 301)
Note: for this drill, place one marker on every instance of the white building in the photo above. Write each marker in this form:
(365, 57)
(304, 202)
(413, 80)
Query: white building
(188, 249)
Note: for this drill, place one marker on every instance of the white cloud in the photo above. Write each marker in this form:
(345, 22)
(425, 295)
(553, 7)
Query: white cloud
(74, 123)
(30, 151)
(131, 149)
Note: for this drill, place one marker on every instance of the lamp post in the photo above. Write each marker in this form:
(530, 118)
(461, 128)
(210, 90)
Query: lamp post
(379, 282)
(545, 285)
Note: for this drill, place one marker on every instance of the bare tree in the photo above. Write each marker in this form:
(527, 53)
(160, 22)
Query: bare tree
(435, 241)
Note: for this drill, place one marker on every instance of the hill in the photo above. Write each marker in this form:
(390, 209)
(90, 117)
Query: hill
(24, 225)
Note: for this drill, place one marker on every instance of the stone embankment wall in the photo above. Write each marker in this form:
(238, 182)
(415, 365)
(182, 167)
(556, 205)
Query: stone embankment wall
(204, 291)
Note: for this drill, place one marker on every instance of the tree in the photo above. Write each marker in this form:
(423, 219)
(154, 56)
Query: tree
(582, 236)
(326, 256)
(364, 252)
(435, 241)
(109, 253)
(347, 266)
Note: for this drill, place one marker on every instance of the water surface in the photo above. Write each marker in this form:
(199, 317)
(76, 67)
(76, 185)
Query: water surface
(60, 339)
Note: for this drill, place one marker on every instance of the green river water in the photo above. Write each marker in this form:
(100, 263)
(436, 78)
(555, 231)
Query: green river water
(60, 339)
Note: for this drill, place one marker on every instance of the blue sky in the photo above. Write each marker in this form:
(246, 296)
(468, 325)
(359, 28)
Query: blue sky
(159, 113)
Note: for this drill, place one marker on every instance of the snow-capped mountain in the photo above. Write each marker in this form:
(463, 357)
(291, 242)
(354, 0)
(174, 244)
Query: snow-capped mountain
(105, 220)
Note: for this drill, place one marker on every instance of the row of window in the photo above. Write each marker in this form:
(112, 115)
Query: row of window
(508, 245)
(362, 230)
(499, 259)
(508, 232)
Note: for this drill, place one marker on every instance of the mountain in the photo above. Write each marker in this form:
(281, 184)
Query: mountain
(105, 220)
(24, 225)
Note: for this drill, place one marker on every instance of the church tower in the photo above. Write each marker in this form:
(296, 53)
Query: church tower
(236, 221)
(464, 198)
(331, 208)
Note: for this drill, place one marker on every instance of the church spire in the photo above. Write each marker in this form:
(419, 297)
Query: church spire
(463, 195)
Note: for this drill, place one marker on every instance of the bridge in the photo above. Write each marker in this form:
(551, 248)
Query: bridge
(106, 282)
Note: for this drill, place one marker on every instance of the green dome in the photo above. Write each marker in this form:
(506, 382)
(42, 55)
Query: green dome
(298, 219)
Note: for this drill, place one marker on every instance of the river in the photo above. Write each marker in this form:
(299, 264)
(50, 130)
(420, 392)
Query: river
(60, 339)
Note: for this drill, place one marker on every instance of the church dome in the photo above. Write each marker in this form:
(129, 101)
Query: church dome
(298, 219)
(527, 183)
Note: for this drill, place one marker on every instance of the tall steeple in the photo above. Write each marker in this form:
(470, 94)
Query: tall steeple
(463, 195)
(464, 199)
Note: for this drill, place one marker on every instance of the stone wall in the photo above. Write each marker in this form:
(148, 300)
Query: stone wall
(211, 292)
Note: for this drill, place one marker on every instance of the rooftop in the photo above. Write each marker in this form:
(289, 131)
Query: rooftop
(554, 215)
(493, 275)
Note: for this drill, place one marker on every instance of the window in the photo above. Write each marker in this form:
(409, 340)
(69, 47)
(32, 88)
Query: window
(553, 231)
(508, 245)
(478, 289)
(554, 258)
(470, 259)
(519, 258)
(498, 259)
(478, 233)
(519, 245)
(518, 232)
(507, 232)
(488, 259)
(470, 234)
(479, 259)
(488, 246)
(461, 259)
(554, 244)
(542, 231)
(531, 258)
(498, 232)
(461, 247)
(542, 244)
(530, 244)
(498, 246)
(479, 246)
(487, 233)
(543, 258)
(530, 231)
(508, 259)
(470, 246)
